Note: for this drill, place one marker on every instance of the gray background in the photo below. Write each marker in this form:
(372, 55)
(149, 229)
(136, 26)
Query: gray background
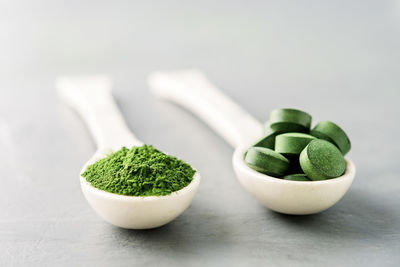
(338, 60)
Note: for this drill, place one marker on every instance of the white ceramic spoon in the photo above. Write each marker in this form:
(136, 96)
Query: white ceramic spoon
(91, 97)
(192, 90)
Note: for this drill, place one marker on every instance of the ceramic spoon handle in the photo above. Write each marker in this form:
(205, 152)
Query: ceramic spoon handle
(192, 90)
(91, 97)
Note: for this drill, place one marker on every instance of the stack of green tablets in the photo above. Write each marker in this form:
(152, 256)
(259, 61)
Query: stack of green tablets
(291, 150)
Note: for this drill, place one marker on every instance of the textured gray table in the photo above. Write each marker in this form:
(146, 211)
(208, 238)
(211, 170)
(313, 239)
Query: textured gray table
(339, 60)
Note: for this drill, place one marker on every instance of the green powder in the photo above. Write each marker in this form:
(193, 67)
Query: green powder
(140, 171)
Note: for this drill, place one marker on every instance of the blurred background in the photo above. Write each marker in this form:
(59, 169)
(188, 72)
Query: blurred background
(337, 60)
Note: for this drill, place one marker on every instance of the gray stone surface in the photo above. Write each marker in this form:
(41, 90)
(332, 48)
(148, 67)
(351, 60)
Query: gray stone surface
(339, 60)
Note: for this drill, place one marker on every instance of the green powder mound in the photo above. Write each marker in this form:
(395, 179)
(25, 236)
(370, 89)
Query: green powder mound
(140, 171)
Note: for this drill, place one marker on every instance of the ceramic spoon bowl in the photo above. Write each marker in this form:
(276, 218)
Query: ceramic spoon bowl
(192, 90)
(92, 98)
